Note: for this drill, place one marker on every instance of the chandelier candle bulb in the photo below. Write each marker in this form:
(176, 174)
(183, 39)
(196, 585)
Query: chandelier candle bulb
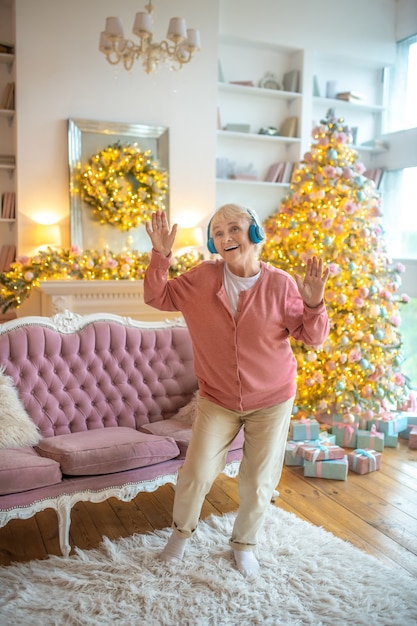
(142, 25)
(114, 28)
(177, 31)
(152, 54)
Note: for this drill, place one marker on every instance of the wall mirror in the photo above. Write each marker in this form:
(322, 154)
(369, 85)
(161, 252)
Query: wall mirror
(86, 138)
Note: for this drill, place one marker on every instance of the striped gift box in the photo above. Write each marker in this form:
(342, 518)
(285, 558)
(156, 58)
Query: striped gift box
(321, 451)
(363, 461)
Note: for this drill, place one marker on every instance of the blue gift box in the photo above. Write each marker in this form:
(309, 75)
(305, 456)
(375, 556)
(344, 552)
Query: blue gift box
(391, 441)
(370, 439)
(291, 453)
(334, 469)
(390, 424)
(411, 421)
(303, 429)
(345, 434)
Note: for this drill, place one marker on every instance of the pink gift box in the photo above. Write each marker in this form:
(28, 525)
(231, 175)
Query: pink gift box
(412, 439)
(363, 461)
(321, 451)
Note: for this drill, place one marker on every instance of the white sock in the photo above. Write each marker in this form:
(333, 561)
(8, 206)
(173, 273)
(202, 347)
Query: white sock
(247, 563)
(174, 548)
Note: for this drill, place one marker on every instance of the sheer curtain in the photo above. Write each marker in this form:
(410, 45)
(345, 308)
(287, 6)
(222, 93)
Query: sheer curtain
(402, 87)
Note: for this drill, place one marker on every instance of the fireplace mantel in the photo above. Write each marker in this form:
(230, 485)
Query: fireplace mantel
(120, 297)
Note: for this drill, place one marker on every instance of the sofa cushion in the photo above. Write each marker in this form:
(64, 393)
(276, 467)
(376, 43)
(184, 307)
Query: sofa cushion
(181, 432)
(106, 450)
(23, 469)
(16, 428)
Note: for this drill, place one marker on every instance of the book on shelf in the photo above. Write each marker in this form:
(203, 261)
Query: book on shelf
(6, 48)
(243, 83)
(290, 81)
(274, 172)
(289, 127)
(7, 256)
(376, 174)
(238, 128)
(279, 172)
(349, 96)
(8, 97)
(286, 172)
(8, 205)
(7, 159)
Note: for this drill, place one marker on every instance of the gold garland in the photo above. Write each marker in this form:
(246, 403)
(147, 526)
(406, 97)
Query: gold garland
(59, 263)
(124, 185)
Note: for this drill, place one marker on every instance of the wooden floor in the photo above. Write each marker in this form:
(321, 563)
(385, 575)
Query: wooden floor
(376, 512)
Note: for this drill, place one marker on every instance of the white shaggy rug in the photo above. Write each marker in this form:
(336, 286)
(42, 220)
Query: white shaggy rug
(308, 577)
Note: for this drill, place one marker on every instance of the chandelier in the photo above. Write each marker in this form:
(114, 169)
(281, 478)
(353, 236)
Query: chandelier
(117, 49)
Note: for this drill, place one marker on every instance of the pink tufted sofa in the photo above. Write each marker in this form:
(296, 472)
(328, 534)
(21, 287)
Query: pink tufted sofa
(103, 391)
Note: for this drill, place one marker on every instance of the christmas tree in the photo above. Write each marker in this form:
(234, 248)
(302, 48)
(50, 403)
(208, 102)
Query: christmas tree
(333, 211)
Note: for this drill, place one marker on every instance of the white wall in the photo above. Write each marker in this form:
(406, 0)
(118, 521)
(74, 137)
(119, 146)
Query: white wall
(60, 74)
(358, 28)
(406, 22)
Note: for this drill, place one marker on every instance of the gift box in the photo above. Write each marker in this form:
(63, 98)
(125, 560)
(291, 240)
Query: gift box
(411, 421)
(292, 456)
(410, 403)
(363, 461)
(390, 441)
(412, 439)
(325, 437)
(334, 469)
(303, 429)
(390, 423)
(321, 451)
(370, 439)
(345, 434)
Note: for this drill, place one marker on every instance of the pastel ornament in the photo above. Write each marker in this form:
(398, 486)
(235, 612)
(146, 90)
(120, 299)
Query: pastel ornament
(348, 418)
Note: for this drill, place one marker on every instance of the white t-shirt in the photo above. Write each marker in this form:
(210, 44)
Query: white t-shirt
(235, 284)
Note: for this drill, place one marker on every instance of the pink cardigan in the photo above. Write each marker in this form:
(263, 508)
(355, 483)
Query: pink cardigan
(243, 362)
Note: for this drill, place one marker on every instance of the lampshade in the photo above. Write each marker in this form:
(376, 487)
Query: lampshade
(177, 30)
(114, 28)
(175, 51)
(46, 235)
(142, 25)
(189, 238)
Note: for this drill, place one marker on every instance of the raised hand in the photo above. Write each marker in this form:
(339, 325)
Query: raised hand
(312, 287)
(162, 238)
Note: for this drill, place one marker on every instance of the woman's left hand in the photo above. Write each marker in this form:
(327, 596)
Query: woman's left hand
(312, 287)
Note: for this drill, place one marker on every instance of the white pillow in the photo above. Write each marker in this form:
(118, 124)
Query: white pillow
(16, 427)
(187, 413)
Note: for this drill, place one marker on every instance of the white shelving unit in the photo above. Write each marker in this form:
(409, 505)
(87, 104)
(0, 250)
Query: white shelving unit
(251, 153)
(257, 107)
(366, 114)
(8, 225)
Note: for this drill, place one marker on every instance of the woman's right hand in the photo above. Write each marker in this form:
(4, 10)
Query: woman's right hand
(162, 238)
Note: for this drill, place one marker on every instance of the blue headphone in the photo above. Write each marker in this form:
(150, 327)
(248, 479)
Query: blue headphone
(256, 233)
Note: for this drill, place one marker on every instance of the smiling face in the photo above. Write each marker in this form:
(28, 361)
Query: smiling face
(230, 233)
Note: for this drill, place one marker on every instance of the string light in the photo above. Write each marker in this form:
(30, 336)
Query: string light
(59, 263)
(333, 211)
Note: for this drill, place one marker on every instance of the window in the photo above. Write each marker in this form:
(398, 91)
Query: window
(402, 87)
(400, 212)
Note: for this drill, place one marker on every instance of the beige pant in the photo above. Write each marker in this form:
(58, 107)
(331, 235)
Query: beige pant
(214, 429)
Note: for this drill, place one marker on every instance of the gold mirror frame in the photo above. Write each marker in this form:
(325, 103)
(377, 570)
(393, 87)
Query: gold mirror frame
(85, 138)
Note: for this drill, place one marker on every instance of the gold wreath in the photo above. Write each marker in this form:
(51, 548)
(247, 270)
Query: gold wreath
(124, 185)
